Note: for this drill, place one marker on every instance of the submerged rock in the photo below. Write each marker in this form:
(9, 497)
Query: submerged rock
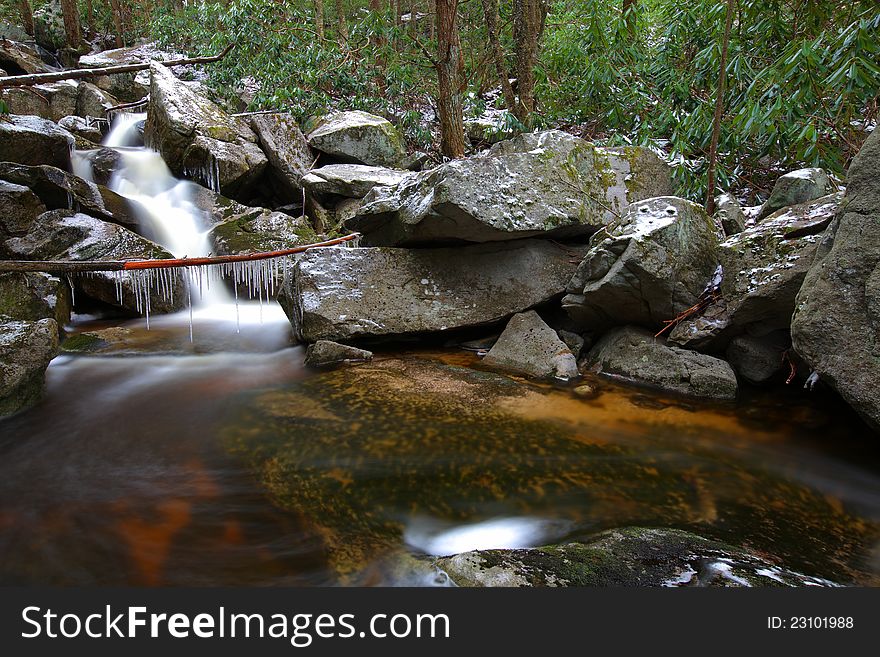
(528, 346)
(351, 180)
(539, 184)
(198, 139)
(342, 293)
(26, 348)
(68, 235)
(33, 140)
(631, 556)
(360, 138)
(648, 267)
(796, 187)
(325, 352)
(635, 355)
(287, 150)
(764, 267)
(836, 323)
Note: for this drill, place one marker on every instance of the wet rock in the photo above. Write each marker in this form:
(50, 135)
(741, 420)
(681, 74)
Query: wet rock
(343, 293)
(33, 140)
(93, 101)
(359, 138)
(20, 59)
(351, 180)
(635, 355)
(758, 359)
(81, 127)
(32, 296)
(631, 556)
(649, 267)
(764, 267)
(573, 341)
(59, 190)
(18, 207)
(528, 346)
(796, 187)
(49, 26)
(252, 230)
(51, 101)
(547, 184)
(198, 139)
(325, 352)
(68, 235)
(730, 215)
(836, 323)
(26, 348)
(287, 150)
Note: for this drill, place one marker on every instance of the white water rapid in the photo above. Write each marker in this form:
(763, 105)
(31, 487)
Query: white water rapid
(168, 215)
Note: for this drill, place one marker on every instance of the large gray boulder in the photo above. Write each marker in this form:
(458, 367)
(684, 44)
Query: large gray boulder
(34, 140)
(836, 323)
(290, 157)
(796, 187)
(359, 138)
(93, 101)
(730, 215)
(51, 101)
(528, 346)
(69, 235)
(758, 359)
(635, 355)
(350, 180)
(20, 59)
(539, 184)
(26, 348)
(630, 556)
(343, 293)
(134, 86)
(648, 267)
(199, 140)
(32, 296)
(764, 267)
(59, 190)
(253, 230)
(18, 208)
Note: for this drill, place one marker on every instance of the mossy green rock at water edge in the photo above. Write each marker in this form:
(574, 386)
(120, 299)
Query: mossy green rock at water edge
(26, 347)
(361, 452)
(258, 229)
(538, 184)
(647, 267)
(359, 138)
(764, 267)
(31, 296)
(836, 323)
(632, 556)
(198, 139)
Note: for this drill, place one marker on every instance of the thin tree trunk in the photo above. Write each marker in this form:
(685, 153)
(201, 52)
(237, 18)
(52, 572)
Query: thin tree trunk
(71, 23)
(341, 23)
(319, 19)
(719, 109)
(490, 8)
(528, 25)
(27, 16)
(118, 25)
(450, 73)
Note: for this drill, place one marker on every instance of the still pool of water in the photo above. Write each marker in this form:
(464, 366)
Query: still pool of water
(232, 468)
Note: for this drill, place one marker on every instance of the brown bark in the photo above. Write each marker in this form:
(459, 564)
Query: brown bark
(71, 23)
(490, 9)
(719, 110)
(450, 74)
(341, 23)
(118, 23)
(90, 17)
(319, 18)
(528, 25)
(27, 16)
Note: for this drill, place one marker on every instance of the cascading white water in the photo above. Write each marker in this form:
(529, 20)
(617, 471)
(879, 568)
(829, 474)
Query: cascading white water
(169, 215)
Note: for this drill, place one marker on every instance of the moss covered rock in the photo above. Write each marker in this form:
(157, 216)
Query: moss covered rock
(359, 138)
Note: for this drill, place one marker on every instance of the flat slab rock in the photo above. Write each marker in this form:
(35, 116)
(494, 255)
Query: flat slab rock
(343, 293)
(528, 346)
(630, 556)
(351, 180)
(635, 355)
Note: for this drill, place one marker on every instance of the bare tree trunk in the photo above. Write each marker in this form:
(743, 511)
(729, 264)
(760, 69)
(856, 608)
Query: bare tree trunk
(450, 73)
(719, 109)
(90, 18)
(71, 23)
(118, 25)
(319, 19)
(528, 25)
(27, 16)
(490, 8)
(341, 23)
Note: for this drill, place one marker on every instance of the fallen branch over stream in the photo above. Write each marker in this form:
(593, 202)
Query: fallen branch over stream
(82, 73)
(80, 266)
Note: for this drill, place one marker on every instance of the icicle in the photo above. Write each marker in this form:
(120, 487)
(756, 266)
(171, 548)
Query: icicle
(72, 292)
